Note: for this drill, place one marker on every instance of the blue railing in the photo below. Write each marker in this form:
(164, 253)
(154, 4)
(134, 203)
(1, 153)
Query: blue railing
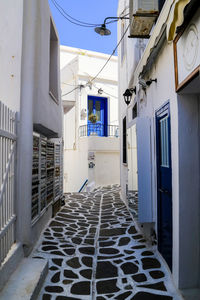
(99, 130)
(82, 187)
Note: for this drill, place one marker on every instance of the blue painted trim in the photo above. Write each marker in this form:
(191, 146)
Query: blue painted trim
(105, 117)
(99, 127)
(83, 185)
(164, 178)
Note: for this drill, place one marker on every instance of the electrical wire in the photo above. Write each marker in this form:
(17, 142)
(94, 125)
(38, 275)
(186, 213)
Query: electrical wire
(77, 87)
(68, 84)
(73, 20)
(110, 55)
(76, 21)
(78, 24)
(105, 92)
(85, 86)
(105, 62)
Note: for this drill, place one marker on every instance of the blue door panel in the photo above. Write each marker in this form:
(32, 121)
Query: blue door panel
(97, 106)
(164, 183)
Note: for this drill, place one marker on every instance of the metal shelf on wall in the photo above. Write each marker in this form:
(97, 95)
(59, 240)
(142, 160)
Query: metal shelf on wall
(47, 173)
(61, 167)
(50, 172)
(35, 177)
(57, 172)
(43, 173)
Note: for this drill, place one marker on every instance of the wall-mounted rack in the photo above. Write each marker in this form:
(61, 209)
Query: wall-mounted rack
(47, 172)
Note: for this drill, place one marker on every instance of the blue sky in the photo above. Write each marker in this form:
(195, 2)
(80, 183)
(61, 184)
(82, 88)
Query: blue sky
(90, 11)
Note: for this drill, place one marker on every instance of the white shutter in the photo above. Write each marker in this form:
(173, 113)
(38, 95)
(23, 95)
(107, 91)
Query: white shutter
(145, 5)
(145, 213)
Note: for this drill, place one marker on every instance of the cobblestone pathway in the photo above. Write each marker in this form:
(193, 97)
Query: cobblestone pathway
(95, 252)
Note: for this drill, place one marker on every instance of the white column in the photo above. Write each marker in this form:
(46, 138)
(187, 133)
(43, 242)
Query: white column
(25, 132)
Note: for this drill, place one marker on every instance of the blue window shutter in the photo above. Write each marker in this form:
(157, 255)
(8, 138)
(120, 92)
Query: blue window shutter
(145, 209)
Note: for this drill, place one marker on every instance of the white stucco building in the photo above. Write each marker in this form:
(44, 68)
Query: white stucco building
(160, 129)
(29, 102)
(91, 151)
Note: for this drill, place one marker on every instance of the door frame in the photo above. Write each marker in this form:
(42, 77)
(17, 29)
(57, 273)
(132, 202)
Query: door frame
(105, 121)
(163, 111)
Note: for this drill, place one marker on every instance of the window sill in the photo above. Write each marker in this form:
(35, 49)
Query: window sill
(53, 97)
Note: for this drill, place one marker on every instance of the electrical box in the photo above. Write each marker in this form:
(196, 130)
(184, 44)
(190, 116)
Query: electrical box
(142, 6)
(143, 14)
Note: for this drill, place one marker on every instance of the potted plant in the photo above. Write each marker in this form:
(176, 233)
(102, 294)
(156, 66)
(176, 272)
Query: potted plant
(92, 118)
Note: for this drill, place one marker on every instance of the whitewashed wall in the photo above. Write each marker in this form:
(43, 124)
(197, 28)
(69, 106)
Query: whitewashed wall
(81, 67)
(24, 87)
(127, 64)
(107, 168)
(46, 111)
(10, 52)
(184, 114)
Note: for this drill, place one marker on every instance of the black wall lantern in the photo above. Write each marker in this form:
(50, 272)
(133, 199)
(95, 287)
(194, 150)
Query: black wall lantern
(128, 95)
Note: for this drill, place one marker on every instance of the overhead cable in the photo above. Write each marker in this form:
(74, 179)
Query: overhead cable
(70, 91)
(111, 54)
(74, 20)
(70, 18)
(105, 92)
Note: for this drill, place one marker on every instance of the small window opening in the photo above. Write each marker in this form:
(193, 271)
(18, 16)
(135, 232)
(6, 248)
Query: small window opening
(134, 111)
(53, 64)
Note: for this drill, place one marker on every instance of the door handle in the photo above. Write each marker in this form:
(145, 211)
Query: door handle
(164, 191)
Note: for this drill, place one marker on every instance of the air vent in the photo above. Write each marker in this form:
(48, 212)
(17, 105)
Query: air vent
(145, 6)
(143, 14)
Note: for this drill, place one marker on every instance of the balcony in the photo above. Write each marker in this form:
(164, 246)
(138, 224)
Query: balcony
(99, 130)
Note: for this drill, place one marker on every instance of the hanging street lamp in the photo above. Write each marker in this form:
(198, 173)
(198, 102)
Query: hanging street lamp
(105, 31)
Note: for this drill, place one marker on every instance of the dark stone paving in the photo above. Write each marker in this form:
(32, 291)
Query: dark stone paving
(96, 252)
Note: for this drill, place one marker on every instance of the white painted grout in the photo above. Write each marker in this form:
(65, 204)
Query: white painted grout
(96, 252)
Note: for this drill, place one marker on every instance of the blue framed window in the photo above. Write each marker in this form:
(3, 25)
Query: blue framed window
(97, 106)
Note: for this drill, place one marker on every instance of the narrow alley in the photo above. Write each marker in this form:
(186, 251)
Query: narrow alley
(95, 251)
(99, 150)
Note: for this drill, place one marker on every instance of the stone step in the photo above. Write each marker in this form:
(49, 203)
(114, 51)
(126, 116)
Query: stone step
(26, 282)
(191, 294)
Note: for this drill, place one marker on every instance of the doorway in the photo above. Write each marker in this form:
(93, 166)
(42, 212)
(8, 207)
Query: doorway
(132, 192)
(97, 106)
(164, 183)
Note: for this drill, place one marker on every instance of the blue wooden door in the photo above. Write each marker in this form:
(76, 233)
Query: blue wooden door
(164, 183)
(98, 107)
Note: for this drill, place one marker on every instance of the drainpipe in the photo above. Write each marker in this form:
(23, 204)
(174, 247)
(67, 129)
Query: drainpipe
(25, 137)
(76, 94)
